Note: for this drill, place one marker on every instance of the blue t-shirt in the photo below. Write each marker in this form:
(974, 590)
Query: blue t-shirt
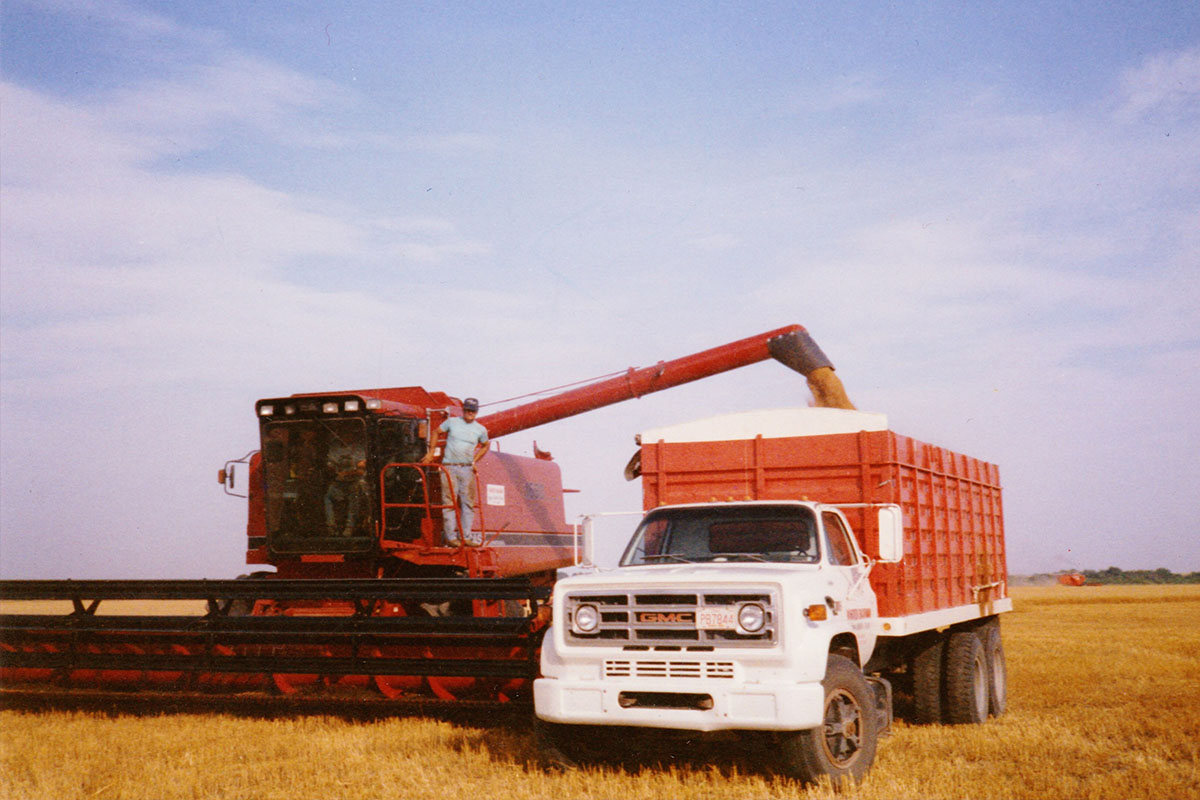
(461, 440)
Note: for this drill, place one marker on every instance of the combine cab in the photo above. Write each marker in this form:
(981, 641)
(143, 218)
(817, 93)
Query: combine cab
(363, 596)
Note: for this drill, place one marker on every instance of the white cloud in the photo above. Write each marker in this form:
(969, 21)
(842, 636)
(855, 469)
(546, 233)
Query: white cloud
(132, 22)
(216, 99)
(49, 144)
(1165, 85)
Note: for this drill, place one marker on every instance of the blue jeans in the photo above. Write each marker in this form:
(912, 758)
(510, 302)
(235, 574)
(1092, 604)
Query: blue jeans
(462, 479)
(348, 493)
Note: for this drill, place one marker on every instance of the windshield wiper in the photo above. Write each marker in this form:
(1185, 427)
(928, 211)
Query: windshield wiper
(751, 556)
(668, 555)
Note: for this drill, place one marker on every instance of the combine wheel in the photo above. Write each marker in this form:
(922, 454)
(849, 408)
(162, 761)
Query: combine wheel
(966, 682)
(993, 649)
(843, 748)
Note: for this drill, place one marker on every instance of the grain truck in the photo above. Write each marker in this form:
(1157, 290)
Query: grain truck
(792, 570)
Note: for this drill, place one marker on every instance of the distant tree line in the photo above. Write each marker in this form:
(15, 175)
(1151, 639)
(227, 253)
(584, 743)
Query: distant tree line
(1112, 575)
(1160, 575)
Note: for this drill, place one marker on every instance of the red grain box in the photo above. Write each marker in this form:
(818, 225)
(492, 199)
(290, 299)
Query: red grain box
(953, 521)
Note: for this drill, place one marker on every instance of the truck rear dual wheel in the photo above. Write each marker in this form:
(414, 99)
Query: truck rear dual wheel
(966, 678)
(993, 650)
(926, 668)
(844, 746)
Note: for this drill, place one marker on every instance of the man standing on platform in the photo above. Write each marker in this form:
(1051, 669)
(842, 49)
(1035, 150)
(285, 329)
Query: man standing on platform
(466, 443)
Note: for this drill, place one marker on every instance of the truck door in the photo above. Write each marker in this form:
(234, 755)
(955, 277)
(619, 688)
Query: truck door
(850, 580)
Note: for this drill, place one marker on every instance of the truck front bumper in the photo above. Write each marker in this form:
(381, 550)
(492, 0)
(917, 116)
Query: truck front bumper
(702, 705)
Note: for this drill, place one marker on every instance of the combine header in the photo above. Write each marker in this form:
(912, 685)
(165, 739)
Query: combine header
(364, 596)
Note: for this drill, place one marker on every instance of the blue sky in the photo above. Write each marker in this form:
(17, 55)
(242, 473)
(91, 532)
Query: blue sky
(988, 216)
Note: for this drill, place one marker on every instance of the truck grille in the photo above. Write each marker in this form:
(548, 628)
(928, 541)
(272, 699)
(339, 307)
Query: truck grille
(672, 620)
(617, 668)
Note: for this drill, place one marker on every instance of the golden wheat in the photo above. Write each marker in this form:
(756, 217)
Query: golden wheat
(1104, 703)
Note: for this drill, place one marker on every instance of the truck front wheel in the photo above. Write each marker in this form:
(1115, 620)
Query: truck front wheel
(569, 746)
(844, 746)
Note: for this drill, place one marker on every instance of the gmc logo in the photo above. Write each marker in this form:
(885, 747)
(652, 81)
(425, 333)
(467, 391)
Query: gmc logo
(664, 616)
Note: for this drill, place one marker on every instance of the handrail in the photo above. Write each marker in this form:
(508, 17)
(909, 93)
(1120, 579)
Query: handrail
(422, 470)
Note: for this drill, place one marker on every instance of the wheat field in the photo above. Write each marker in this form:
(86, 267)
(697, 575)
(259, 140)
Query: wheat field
(1104, 702)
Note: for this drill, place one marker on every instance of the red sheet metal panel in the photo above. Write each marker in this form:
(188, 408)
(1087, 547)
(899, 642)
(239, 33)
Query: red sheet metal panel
(520, 494)
(953, 521)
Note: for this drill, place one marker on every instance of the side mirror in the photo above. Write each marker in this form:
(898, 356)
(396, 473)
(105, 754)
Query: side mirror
(228, 476)
(585, 544)
(891, 535)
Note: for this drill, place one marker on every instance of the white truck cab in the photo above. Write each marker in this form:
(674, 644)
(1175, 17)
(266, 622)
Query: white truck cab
(722, 616)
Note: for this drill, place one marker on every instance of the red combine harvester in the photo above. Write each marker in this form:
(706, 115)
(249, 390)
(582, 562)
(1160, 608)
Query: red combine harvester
(363, 596)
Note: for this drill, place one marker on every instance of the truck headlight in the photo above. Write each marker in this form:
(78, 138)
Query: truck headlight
(751, 617)
(587, 619)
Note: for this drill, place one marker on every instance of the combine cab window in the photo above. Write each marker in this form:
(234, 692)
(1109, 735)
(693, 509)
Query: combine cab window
(745, 533)
(315, 473)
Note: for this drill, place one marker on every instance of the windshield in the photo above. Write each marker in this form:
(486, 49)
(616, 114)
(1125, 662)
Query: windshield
(315, 476)
(733, 533)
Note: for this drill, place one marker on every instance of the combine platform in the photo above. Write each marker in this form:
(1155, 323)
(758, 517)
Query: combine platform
(449, 638)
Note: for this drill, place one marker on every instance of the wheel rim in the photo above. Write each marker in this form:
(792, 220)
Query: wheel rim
(843, 726)
(980, 681)
(999, 680)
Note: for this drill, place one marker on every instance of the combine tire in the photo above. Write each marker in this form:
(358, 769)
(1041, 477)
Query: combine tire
(966, 680)
(993, 649)
(926, 669)
(843, 748)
